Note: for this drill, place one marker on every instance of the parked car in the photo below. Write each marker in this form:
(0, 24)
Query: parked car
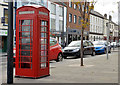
(73, 49)
(101, 46)
(113, 44)
(55, 51)
(118, 44)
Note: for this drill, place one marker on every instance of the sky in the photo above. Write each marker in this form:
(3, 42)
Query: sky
(107, 6)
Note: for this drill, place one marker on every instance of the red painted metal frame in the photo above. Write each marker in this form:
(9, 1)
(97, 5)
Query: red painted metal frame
(36, 71)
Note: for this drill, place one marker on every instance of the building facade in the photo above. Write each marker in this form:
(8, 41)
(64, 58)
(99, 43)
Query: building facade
(96, 26)
(74, 24)
(4, 24)
(112, 29)
(58, 13)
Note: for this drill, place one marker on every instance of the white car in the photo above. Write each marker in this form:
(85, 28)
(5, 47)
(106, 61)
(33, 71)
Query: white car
(113, 44)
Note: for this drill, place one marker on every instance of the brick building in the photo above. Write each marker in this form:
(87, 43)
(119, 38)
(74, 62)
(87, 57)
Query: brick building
(74, 24)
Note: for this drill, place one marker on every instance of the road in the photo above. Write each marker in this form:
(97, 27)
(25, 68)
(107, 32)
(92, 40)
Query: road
(96, 69)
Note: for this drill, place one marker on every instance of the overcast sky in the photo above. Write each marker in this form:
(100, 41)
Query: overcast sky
(106, 6)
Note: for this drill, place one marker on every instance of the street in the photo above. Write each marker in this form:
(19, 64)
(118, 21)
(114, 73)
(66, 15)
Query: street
(96, 69)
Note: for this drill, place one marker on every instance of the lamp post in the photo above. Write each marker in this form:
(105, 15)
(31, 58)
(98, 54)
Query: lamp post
(10, 44)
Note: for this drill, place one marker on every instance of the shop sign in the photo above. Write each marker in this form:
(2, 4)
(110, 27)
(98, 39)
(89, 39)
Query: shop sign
(3, 32)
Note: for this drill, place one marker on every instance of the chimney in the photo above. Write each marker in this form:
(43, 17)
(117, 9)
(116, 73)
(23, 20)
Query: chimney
(105, 15)
(110, 17)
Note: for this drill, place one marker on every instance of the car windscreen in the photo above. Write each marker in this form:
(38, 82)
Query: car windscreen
(75, 44)
(98, 43)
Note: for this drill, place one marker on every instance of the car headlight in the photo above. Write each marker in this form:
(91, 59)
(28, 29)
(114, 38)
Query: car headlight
(75, 50)
(102, 48)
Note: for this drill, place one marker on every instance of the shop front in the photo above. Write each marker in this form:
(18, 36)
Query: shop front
(75, 34)
(3, 40)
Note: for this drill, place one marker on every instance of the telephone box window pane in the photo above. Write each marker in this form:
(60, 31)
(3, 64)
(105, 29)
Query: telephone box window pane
(25, 65)
(43, 47)
(25, 28)
(43, 53)
(45, 23)
(43, 65)
(26, 34)
(42, 23)
(25, 59)
(26, 47)
(43, 35)
(25, 22)
(25, 40)
(43, 59)
(25, 53)
(43, 41)
(42, 29)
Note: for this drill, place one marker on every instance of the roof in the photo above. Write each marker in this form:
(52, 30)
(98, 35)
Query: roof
(97, 14)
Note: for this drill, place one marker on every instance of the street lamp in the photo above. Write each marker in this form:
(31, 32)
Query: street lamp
(108, 31)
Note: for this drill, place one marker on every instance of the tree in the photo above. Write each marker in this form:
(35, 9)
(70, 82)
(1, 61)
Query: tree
(85, 8)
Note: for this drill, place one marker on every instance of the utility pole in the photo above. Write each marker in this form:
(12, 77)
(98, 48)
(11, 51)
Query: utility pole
(10, 44)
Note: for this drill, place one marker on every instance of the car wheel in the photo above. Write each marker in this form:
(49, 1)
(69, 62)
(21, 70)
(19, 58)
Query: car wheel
(59, 58)
(93, 53)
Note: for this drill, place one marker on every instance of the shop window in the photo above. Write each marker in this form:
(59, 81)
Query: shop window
(6, 16)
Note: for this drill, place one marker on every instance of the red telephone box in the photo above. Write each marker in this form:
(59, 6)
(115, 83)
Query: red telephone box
(32, 42)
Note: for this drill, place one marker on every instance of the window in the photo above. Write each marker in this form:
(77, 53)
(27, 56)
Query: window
(70, 17)
(79, 20)
(61, 11)
(79, 6)
(70, 4)
(82, 8)
(75, 6)
(87, 9)
(60, 25)
(75, 19)
(52, 42)
(6, 16)
(53, 8)
(53, 24)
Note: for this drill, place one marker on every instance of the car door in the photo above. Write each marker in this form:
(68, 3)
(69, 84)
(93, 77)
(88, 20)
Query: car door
(85, 47)
(53, 49)
(91, 47)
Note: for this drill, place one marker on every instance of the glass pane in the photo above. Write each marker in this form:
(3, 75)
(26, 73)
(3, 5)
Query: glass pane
(43, 41)
(25, 53)
(26, 22)
(42, 23)
(43, 59)
(43, 65)
(42, 29)
(26, 47)
(45, 23)
(26, 40)
(25, 59)
(25, 28)
(43, 35)
(25, 34)
(43, 53)
(25, 65)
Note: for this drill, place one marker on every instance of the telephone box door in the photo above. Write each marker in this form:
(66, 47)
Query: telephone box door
(25, 46)
(44, 37)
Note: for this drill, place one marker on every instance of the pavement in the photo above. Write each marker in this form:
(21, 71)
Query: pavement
(96, 69)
